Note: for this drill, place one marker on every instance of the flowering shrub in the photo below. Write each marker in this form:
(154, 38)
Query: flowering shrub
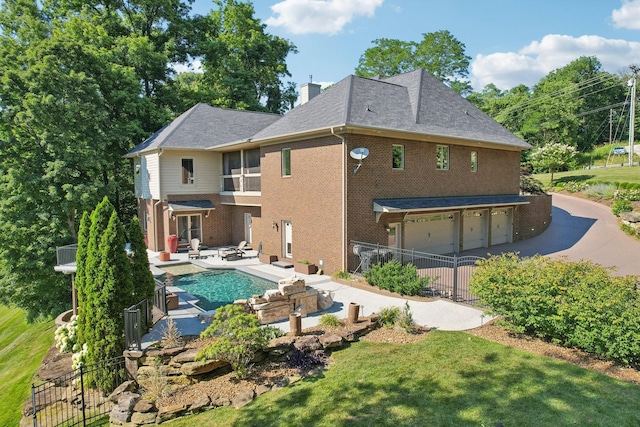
(66, 336)
(79, 357)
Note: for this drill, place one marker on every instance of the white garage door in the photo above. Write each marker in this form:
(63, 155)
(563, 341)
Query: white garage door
(500, 226)
(474, 231)
(434, 234)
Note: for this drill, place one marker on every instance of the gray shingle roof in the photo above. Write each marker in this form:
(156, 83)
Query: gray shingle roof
(437, 203)
(203, 126)
(414, 102)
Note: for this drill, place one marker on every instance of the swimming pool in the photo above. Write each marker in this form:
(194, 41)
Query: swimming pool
(215, 288)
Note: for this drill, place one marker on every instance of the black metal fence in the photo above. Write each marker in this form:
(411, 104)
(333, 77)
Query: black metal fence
(450, 275)
(79, 397)
(138, 319)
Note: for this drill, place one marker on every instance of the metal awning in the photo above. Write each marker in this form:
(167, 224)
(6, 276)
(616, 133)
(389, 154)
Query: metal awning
(425, 204)
(191, 205)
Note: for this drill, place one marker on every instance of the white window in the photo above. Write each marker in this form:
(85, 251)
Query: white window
(187, 171)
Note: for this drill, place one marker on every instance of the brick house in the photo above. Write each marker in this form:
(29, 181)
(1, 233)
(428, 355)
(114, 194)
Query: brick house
(401, 161)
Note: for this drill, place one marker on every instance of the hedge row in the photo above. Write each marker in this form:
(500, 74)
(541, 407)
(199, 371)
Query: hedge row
(395, 277)
(575, 304)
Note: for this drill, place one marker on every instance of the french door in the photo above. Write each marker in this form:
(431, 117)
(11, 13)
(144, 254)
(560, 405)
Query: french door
(189, 227)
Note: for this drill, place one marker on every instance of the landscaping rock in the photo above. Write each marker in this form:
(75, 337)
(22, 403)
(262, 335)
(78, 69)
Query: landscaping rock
(143, 418)
(127, 386)
(243, 398)
(220, 401)
(144, 405)
(631, 217)
(331, 340)
(262, 389)
(307, 343)
(325, 301)
(121, 413)
(186, 356)
(201, 404)
(170, 412)
(199, 368)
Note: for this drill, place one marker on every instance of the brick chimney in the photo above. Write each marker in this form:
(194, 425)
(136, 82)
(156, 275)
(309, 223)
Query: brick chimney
(308, 91)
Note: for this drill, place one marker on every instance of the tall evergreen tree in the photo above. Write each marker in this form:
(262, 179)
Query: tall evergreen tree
(143, 282)
(114, 293)
(80, 276)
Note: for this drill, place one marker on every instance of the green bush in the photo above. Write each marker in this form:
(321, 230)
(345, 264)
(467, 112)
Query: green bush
(395, 277)
(601, 191)
(576, 304)
(389, 316)
(621, 205)
(405, 321)
(330, 320)
(630, 194)
(629, 230)
(530, 185)
(574, 186)
(341, 274)
(238, 338)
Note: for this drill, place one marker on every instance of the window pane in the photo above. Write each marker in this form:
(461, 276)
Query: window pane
(252, 161)
(187, 171)
(442, 157)
(398, 156)
(286, 162)
(231, 163)
(474, 161)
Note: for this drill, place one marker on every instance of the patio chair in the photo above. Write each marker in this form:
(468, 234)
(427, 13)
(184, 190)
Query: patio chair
(194, 249)
(235, 253)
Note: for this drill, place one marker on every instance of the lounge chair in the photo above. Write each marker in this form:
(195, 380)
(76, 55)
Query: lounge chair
(194, 249)
(235, 253)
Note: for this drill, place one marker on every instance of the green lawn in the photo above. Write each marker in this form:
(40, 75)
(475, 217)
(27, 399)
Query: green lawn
(447, 379)
(22, 347)
(610, 174)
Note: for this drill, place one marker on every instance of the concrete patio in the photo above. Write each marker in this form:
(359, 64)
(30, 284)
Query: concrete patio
(441, 314)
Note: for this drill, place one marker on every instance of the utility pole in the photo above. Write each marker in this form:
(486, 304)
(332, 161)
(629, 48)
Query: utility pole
(632, 113)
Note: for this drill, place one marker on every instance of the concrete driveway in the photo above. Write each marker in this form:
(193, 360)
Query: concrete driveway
(580, 229)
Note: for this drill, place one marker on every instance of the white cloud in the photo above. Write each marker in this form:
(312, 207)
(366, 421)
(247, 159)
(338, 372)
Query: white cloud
(532, 62)
(319, 16)
(628, 16)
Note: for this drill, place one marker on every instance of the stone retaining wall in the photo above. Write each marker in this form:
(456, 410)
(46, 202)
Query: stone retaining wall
(179, 368)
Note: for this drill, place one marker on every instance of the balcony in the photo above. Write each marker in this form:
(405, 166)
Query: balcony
(243, 183)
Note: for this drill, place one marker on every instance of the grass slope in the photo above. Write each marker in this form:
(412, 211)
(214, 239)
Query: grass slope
(447, 379)
(22, 347)
(610, 174)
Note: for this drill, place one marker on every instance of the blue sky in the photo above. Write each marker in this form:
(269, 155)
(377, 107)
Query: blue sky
(510, 42)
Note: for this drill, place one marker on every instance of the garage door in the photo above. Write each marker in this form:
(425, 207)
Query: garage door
(474, 229)
(434, 234)
(500, 226)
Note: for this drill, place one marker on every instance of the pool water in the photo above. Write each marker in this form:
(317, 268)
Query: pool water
(216, 288)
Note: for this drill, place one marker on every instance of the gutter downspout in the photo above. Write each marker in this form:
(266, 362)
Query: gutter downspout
(344, 202)
(155, 205)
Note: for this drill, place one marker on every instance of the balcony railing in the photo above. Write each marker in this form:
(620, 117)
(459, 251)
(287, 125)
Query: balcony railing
(241, 183)
(66, 254)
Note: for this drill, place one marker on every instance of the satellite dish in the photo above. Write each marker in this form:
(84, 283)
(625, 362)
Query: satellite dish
(359, 153)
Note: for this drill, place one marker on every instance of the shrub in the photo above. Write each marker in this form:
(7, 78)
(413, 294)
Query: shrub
(303, 361)
(389, 316)
(239, 338)
(171, 336)
(341, 274)
(395, 277)
(621, 205)
(574, 186)
(630, 194)
(530, 185)
(601, 191)
(157, 384)
(272, 332)
(330, 320)
(66, 336)
(577, 304)
(405, 321)
(629, 230)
